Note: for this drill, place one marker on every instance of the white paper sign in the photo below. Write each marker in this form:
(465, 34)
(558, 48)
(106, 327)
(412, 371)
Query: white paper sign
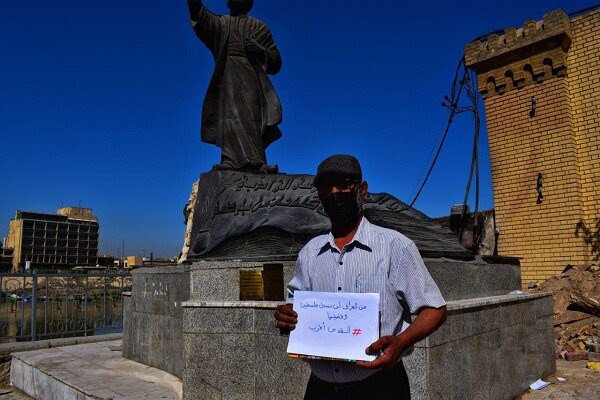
(334, 325)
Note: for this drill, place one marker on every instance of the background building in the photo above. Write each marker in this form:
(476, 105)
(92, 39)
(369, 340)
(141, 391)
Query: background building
(541, 87)
(66, 239)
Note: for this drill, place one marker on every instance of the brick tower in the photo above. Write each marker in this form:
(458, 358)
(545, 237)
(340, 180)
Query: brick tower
(541, 88)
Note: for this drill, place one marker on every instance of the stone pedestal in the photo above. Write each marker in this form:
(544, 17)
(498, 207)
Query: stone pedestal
(489, 348)
(190, 321)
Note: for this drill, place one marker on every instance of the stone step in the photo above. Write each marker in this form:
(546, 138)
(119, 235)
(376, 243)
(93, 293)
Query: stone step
(89, 371)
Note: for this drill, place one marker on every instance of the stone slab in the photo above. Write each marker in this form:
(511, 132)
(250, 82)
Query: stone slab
(463, 280)
(153, 339)
(220, 280)
(239, 355)
(152, 326)
(160, 290)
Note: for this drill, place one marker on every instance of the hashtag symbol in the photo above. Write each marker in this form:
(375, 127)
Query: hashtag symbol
(356, 332)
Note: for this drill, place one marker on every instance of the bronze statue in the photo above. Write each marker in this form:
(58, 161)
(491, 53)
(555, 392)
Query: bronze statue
(241, 109)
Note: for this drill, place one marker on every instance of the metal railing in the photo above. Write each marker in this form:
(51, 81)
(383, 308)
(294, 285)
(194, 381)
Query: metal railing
(52, 305)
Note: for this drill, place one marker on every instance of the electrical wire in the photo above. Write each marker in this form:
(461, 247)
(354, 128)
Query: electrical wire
(472, 94)
(452, 105)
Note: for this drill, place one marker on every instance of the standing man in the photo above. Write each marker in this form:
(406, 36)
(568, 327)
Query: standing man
(357, 256)
(241, 109)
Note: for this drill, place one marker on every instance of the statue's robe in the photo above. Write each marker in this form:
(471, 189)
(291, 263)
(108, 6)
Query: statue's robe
(241, 109)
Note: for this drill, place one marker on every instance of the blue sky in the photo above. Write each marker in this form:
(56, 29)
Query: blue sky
(101, 103)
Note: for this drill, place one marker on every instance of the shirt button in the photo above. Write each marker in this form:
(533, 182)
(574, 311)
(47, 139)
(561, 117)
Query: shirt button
(341, 263)
(339, 288)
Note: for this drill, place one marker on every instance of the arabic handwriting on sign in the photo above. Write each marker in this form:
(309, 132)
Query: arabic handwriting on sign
(354, 306)
(337, 316)
(332, 329)
(349, 306)
(341, 330)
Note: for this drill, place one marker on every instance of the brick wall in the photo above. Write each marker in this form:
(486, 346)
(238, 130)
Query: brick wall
(584, 89)
(551, 67)
(522, 147)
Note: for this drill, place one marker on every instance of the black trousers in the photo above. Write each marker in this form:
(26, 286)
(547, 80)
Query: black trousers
(385, 384)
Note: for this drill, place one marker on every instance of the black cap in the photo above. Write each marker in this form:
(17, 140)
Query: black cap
(338, 166)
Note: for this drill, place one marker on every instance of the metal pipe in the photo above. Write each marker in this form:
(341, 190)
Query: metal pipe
(34, 306)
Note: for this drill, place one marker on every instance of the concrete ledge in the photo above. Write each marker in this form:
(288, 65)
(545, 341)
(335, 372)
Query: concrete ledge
(490, 300)
(232, 304)
(15, 347)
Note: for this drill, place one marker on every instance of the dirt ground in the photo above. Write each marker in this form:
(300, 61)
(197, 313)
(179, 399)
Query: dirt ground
(576, 296)
(581, 383)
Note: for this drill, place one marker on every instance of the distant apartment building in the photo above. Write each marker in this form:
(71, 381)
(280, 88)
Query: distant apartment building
(66, 239)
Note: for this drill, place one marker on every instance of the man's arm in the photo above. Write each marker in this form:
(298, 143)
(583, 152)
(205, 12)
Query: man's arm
(391, 347)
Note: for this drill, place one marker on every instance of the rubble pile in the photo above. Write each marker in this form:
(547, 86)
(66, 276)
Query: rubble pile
(576, 295)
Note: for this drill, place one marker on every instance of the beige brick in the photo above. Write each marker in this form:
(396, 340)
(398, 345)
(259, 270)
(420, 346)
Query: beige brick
(563, 142)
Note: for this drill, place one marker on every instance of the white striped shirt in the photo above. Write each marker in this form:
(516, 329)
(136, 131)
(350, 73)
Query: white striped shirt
(377, 260)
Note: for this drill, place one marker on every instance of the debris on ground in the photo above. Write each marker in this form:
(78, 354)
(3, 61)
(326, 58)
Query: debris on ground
(576, 295)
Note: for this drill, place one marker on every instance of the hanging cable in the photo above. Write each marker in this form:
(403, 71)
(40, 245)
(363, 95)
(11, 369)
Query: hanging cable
(471, 88)
(468, 82)
(452, 104)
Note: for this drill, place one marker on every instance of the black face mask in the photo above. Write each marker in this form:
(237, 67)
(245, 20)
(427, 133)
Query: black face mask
(343, 208)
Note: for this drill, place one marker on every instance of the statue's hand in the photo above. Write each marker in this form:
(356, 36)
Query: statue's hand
(254, 50)
(194, 6)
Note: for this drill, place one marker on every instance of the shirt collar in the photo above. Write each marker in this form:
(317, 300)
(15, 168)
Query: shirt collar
(362, 238)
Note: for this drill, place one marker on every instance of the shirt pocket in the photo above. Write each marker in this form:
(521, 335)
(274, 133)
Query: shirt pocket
(370, 279)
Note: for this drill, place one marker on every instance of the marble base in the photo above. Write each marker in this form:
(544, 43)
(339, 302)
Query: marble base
(232, 350)
(489, 348)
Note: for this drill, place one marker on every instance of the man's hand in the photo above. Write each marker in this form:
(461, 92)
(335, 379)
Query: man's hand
(390, 347)
(286, 318)
(428, 320)
(254, 50)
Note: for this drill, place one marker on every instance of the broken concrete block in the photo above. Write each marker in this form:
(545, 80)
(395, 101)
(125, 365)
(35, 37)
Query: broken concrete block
(593, 357)
(576, 356)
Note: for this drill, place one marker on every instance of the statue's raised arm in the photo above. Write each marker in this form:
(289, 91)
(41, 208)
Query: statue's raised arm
(194, 6)
(241, 109)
